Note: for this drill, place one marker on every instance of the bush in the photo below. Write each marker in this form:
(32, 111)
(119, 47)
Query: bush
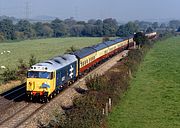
(32, 60)
(94, 82)
(86, 113)
(22, 70)
(9, 74)
(104, 39)
(71, 49)
(20, 73)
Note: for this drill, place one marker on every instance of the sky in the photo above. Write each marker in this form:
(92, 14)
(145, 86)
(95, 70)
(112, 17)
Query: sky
(122, 10)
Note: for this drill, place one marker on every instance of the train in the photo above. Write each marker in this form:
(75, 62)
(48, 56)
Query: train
(48, 78)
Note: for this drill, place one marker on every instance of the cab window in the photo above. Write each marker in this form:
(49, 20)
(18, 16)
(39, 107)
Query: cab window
(35, 74)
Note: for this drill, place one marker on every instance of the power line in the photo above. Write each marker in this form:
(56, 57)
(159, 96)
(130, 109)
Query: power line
(27, 10)
(0, 9)
(76, 12)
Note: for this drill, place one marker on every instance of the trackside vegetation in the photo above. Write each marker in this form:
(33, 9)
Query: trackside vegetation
(88, 110)
(152, 100)
(91, 109)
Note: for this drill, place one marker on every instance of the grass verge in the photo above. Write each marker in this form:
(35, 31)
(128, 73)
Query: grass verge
(153, 98)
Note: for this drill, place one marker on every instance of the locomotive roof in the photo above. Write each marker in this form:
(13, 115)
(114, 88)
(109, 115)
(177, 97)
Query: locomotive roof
(54, 63)
(99, 46)
(84, 52)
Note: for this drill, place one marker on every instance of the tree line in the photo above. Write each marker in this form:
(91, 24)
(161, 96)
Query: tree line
(24, 29)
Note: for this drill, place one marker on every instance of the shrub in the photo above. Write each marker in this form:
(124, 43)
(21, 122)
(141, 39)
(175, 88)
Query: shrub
(86, 113)
(71, 49)
(22, 70)
(94, 82)
(9, 74)
(32, 60)
(104, 39)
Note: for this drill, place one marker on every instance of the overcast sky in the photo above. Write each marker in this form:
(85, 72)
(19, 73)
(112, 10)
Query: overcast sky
(123, 10)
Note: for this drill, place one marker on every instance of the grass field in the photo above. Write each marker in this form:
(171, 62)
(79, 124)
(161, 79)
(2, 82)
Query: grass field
(41, 48)
(153, 100)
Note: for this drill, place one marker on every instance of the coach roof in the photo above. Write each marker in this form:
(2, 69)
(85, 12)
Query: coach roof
(99, 46)
(118, 40)
(84, 52)
(109, 43)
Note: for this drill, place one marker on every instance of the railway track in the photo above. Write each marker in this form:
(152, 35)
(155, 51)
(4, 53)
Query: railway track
(27, 110)
(21, 116)
(10, 98)
(11, 102)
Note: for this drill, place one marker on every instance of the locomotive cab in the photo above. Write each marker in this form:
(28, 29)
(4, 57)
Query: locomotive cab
(40, 83)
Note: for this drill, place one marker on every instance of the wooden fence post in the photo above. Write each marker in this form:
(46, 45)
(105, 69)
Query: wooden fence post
(110, 104)
(106, 109)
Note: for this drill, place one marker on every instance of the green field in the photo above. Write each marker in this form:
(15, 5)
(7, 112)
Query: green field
(41, 48)
(153, 99)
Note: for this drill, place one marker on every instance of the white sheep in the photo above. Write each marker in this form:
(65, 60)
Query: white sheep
(1, 53)
(8, 51)
(3, 67)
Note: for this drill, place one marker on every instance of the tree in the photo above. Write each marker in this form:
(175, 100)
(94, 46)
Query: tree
(25, 27)
(7, 28)
(155, 25)
(38, 27)
(70, 22)
(59, 28)
(99, 28)
(143, 25)
(47, 30)
(128, 29)
(91, 21)
(90, 30)
(76, 30)
(149, 29)
(43, 30)
(19, 35)
(110, 27)
(140, 39)
(174, 24)
(163, 25)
